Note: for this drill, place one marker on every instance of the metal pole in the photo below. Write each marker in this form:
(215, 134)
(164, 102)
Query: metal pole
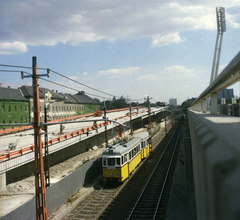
(41, 205)
(149, 128)
(165, 119)
(130, 111)
(46, 158)
(105, 117)
(219, 54)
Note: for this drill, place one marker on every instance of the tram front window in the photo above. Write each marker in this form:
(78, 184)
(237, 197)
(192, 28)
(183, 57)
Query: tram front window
(111, 161)
(118, 161)
(104, 162)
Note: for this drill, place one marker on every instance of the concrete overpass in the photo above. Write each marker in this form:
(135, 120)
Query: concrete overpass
(213, 139)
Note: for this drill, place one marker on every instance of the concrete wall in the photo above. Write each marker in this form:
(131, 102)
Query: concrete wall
(59, 193)
(216, 155)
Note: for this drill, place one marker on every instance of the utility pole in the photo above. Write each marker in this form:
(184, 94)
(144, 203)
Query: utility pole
(41, 205)
(46, 158)
(149, 128)
(105, 117)
(165, 119)
(130, 111)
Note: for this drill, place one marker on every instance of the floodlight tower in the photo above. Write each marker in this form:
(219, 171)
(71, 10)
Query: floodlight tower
(221, 24)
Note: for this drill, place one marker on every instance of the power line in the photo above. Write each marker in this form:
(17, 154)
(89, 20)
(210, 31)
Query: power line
(24, 67)
(82, 84)
(69, 87)
(14, 66)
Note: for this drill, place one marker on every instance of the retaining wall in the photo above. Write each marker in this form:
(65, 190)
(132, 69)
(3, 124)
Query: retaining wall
(59, 193)
(215, 143)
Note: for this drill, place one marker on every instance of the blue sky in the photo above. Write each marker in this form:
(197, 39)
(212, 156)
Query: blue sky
(163, 49)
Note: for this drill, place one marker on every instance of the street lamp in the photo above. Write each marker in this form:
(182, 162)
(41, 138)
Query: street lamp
(47, 96)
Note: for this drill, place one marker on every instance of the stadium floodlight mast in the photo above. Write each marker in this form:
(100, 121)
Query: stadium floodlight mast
(221, 25)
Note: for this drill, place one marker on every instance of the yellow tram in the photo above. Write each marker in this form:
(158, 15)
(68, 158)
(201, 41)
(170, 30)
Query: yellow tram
(119, 160)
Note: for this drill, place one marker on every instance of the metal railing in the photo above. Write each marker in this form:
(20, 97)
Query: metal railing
(229, 76)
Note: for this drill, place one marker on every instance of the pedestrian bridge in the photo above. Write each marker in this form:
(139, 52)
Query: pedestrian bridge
(213, 139)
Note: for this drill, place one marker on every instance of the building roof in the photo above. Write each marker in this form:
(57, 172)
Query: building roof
(12, 94)
(79, 98)
(84, 99)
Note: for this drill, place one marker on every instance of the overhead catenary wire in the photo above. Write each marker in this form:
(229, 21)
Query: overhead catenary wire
(83, 84)
(15, 66)
(69, 87)
(23, 67)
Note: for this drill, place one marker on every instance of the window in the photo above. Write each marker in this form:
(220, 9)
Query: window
(56, 108)
(118, 161)
(9, 108)
(130, 155)
(53, 108)
(40, 108)
(111, 161)
(3, 108)
(125, 158)
(122, 160)
(20, 108)
(15, 108)
(26, 108)
(104, 162)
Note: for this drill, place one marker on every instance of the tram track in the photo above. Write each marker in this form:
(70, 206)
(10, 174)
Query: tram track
(152, 200)
(105, 195)
(123, 205)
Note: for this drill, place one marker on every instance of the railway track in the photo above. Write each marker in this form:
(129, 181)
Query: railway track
(153, 199)
(135, 201)
(105, 196)
(91, 207)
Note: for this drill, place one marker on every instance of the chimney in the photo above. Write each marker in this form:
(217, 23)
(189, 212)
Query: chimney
(9, 87)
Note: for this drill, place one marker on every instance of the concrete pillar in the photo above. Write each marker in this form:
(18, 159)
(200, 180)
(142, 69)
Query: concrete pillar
(3, 182)
(214, 103)
(204, 106)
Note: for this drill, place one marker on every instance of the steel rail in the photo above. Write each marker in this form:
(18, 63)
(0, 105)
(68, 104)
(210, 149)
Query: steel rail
(129, 217)
(170, 165)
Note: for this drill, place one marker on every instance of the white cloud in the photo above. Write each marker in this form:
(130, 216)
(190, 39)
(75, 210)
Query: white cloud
(85, 73)
(14, 47)
(165, 40)
(116, 73)
(74, 22)
(178, 73)
(148, 77)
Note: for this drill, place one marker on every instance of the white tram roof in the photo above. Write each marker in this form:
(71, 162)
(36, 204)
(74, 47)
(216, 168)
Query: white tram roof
(142, 135)
(119, 149)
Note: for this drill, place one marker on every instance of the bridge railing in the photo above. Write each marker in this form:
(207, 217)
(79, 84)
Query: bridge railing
(229, 76)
